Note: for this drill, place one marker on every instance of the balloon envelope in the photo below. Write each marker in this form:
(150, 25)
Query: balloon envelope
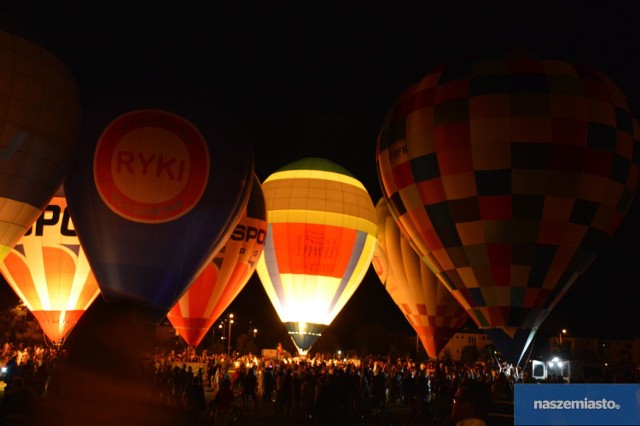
(154, 195)
(50, 273)
(509, 173)
(429, 307)
(39, 130)
(224, 278)
(320, 242)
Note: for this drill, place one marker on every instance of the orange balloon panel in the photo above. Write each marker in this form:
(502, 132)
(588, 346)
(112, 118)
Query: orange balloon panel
(429, 307)
(222, 280)
(50, 273)
(39, 130)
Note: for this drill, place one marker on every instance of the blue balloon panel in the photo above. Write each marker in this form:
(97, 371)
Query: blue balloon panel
(154, 195)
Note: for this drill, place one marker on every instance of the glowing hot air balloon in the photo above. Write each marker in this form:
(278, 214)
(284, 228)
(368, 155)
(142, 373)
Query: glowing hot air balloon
(39, 131)
(320, 242)
(154, 195)
(509, 173)
(223, 279)
(429, 307)
(49, 271)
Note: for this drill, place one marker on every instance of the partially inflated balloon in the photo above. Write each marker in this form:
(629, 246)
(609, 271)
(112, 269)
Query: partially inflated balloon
(429, 307)
(39, 131)
(320, 241)
(154, 195)
(49, 272)
(509, 174)
(222, 280)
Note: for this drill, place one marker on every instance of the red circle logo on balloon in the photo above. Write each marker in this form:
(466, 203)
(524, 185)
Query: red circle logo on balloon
(151, 166)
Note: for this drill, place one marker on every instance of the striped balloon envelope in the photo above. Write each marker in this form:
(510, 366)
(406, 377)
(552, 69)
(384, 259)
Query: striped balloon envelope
(40, 120)
(509, 174)
(223, 279)
(50, 273)
(320, 242)
(429, 307)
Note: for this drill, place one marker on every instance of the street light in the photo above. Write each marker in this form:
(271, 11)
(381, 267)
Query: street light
(255, 331)
(229, 343)
(563, 331)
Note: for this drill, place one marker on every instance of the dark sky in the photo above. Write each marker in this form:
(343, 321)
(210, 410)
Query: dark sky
(315, 79)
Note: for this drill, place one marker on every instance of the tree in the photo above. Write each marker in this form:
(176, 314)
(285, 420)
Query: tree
(469, 354)
(327, 343)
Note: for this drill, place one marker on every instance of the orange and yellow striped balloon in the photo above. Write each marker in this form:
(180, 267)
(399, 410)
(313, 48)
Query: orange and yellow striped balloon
(320, 242)
(223, 279)
(429, 307)
(50, 273)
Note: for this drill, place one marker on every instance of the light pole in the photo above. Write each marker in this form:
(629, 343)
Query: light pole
(563, 331)
(255, 331)
(229, 343)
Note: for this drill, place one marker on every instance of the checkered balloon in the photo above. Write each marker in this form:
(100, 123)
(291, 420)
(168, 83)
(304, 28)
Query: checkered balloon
(509, 173)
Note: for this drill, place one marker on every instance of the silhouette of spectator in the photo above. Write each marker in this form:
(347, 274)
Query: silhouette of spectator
(195, 401)
(470, 404)
(378, 388)
(501, 408)
(12, 371)
(249, 385)
(442, 403)
(17, 403)
(269, 384)
(331, 400)
(223, 404)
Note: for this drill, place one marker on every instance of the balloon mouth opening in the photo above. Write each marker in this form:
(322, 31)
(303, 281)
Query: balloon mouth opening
(304, 334)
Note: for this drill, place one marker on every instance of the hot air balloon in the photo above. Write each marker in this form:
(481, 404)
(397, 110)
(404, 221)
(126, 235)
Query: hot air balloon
(429, 307)
(50, 273)
(224, 278)
(509, 173)
(154, 195)
(39, 132)
(320, 242)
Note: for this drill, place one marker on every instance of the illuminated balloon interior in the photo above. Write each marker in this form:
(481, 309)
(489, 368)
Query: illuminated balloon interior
(224, 278)
(427, 305)
(50, 273)
(320, 242)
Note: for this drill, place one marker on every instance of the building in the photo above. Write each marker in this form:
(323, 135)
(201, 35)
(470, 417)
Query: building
(453, 349)
(606, 351)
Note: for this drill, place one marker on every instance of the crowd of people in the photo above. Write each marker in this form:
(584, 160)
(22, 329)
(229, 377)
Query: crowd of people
(326, 390)
(317, 390)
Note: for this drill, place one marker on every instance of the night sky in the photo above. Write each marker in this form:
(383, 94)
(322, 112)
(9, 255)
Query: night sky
(315, 80)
